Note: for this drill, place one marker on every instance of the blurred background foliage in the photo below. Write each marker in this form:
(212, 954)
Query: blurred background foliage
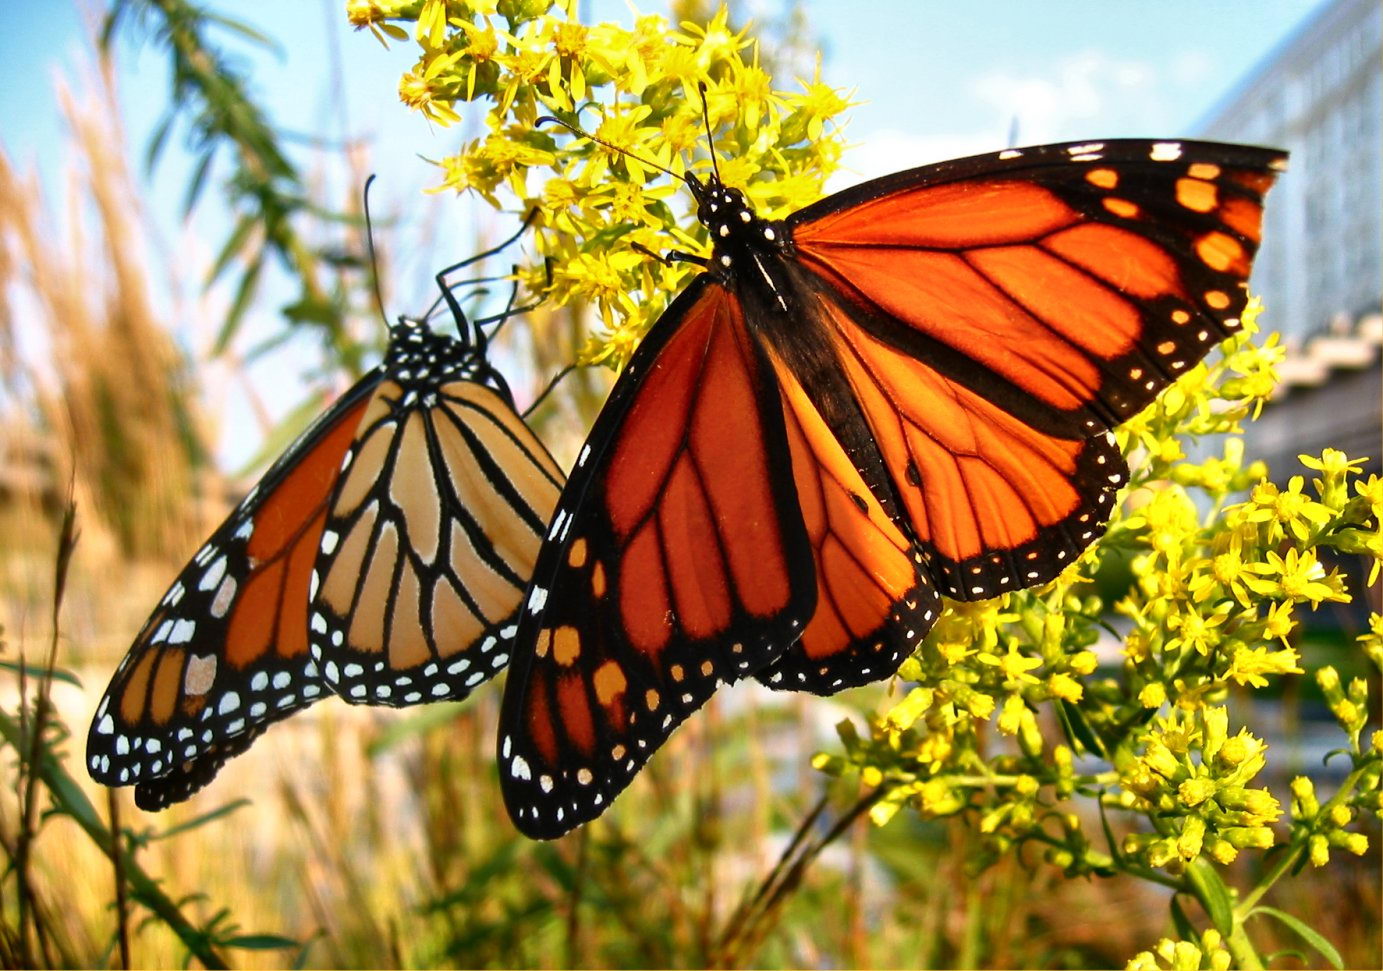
(379, 838)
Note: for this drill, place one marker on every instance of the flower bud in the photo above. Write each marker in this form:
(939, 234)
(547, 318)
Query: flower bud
(1191, 838)
(1304, 795)
(1318, 848)
(1221, 851)
(1249, 837)
(1059, 856)
(1233, 751)
(1161, 852)
(1219, 961)
(1356, 843)
(1160, 759)
(1065, 687)
(1029, 735)
(1153, 695)
(1193, 792)
(1329, 680)
(1340, 815)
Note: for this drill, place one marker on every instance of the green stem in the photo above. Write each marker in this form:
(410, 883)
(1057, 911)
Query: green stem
(1245, 956)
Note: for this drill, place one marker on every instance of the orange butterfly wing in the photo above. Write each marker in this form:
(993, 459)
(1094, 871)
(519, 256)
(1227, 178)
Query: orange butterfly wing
(195, 688)
(671, 564)
(997, 316)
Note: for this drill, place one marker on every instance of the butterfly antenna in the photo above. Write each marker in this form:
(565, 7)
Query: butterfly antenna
(374, 259)
(551, 385)
(614, 148)
(706, 120)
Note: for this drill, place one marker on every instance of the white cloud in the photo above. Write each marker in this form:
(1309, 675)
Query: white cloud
(889, 150)
(1081, 93)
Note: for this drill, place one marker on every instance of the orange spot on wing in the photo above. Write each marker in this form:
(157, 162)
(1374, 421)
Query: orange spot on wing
(303, 491)
(1104, 178)
(1203, 170)
(574, 706)
(643, 593)
(255, 616)
(566, 646)
(609, 682)
(1223, 253)
(132, 699)
(1196, 195)
(1121, 207)
(576, 556)
(167, 683)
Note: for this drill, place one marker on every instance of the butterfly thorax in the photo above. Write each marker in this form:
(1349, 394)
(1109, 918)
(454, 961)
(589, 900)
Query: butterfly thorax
(418, 358)
(738, 234)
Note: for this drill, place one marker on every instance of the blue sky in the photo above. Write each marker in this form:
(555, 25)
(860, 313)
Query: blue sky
(934, 78)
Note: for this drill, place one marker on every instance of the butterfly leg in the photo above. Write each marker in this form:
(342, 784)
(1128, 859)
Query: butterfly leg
(673, 256)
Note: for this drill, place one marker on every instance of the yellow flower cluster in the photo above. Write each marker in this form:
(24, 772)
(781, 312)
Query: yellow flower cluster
(635, 88)
(1192, 780)
(1210, 592)
(1207, 951)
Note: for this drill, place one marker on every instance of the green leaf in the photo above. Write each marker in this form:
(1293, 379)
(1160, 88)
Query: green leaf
(1211, 891)
(260, 942)
(311, 310)
(1078, 730)
(194, 188)
(33, 671)
(231, 248)
(244, 30)
(1306, 932)
(1185, 929)
(201, 820)
(243, 294)
(156, 141)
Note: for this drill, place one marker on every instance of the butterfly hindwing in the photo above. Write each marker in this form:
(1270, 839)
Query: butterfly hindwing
(226, 653)
(873, 602)
(432, 532)
(676, 560)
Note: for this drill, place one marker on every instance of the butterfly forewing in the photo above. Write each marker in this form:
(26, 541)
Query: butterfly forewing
(997, 315)
(226, 652)
(671, 565)
(432, 532)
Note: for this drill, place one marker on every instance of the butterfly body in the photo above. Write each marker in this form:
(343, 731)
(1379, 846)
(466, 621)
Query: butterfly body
(902, 391)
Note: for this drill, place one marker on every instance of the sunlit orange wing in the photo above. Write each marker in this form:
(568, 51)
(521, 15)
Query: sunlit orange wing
(873, 603)
(673, 563)
(996, 316)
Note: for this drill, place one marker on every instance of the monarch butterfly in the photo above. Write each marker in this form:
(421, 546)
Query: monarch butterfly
(900, 392)
(381, 558)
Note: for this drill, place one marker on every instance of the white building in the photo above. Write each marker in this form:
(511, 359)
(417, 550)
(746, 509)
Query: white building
(1320, 271)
